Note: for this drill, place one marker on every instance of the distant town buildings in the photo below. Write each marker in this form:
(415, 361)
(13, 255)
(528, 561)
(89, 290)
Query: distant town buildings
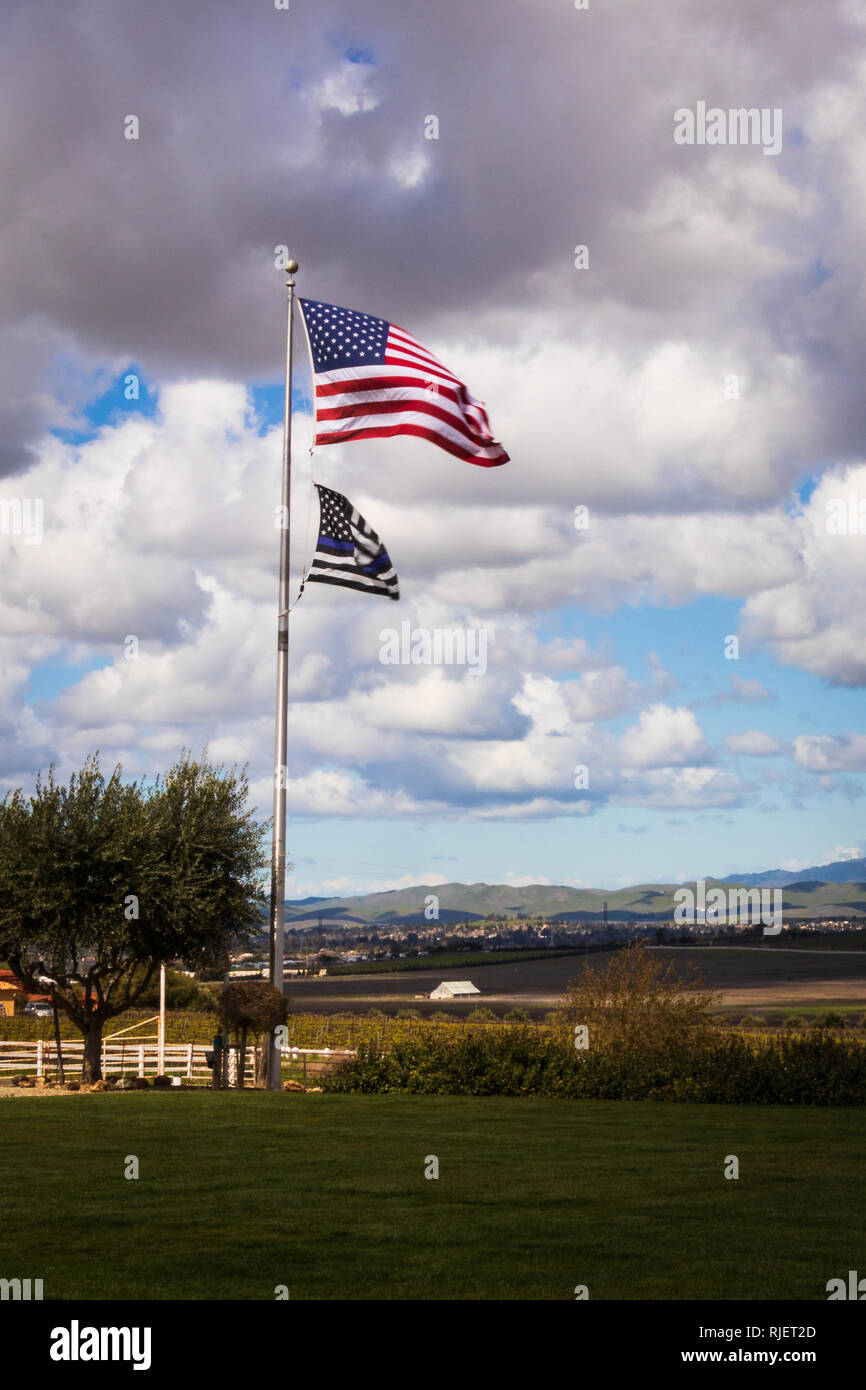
(345, 945)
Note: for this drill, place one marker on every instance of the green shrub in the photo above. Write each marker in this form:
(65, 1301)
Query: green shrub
(481, 1015)
(518, 1015)
(795, 1021)
(816, 1069)
(639, 1002)
(408, 1013)
(180, 993)
(829, 1019)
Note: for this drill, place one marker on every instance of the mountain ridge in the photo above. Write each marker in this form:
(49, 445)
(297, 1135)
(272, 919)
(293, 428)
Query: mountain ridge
(839, 871)
(811, 892)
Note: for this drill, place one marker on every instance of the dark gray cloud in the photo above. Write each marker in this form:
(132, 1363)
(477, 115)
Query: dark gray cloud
(555, 128)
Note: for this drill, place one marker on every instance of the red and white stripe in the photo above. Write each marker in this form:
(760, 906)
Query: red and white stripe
(411, 393)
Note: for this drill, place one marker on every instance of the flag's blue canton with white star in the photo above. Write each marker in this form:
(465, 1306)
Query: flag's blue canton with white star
(343, 337)
(374, 380)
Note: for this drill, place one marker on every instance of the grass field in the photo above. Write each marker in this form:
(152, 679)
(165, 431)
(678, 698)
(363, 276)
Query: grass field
(326, 1194)
(745, 977)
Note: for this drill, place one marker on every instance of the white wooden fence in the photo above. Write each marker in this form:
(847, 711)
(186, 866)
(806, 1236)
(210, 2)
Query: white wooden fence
(139, 1057)
(127, 1055)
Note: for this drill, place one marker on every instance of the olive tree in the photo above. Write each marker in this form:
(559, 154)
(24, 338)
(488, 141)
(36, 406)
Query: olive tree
(101, 880)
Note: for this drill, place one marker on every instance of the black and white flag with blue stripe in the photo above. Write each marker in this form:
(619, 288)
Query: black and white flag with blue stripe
(348, 551)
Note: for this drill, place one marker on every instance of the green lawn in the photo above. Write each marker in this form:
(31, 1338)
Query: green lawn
(241, 1192)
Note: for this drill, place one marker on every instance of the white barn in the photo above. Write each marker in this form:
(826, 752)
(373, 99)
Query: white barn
(454, 989)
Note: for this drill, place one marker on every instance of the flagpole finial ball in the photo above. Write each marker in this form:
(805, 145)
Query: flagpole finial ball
(291, 267)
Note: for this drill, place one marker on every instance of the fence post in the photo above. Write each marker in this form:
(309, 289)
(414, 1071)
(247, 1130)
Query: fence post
(141, 1060)
(39, 1071)
(189, 1062)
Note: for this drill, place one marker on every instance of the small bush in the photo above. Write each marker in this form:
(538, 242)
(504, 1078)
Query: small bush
(754, 1021)
(480, 1015)
(518, 1015)
(408, 1013)
(162, 1081)
(829, 1019)
(796, 1021)
(638, 1003)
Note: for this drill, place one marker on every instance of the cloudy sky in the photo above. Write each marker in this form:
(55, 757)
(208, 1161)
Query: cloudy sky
(693, 641)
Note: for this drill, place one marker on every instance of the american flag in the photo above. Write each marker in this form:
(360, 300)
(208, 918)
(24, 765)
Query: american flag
(374, 380)
(348, 551)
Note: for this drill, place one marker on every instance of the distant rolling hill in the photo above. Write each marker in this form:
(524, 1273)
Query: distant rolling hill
(467, 902)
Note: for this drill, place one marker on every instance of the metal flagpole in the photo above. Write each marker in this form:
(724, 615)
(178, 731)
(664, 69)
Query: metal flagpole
(278, 859)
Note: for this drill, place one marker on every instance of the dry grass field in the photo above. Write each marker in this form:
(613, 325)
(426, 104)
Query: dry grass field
(746, 977)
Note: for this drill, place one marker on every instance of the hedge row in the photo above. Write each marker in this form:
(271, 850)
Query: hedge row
(808, 1070)
(446, 960)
